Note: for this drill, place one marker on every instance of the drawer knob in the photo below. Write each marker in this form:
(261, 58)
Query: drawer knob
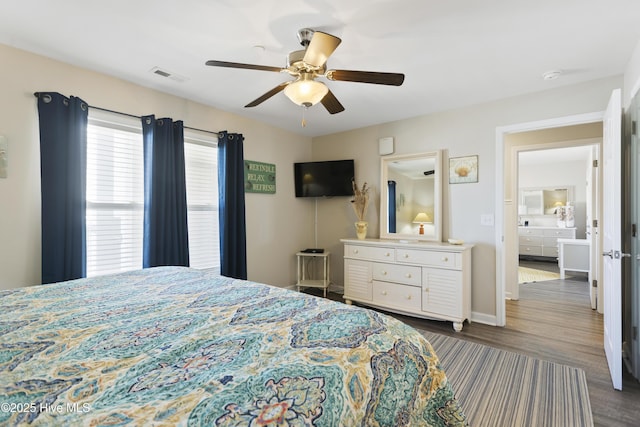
(387, 254)
(409, 297)
(426, 289)
(406, 255)
(384, 292)
(408, 275)
(355, 251)
(445, 259)
(384, 273)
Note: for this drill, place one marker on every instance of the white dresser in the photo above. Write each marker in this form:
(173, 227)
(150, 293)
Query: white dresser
(542, 241)
(429, 280)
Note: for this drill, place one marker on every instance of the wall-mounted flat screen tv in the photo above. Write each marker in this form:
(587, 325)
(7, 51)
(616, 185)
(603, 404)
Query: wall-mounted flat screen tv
(324, 179)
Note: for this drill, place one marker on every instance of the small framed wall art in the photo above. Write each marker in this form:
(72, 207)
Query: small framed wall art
(259, 177)
(463, 169)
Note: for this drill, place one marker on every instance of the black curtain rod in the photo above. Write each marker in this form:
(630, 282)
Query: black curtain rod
(37, 94)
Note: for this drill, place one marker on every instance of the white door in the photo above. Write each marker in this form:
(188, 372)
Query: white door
(611, 237)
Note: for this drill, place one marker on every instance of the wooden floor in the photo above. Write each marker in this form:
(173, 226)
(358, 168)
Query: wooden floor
(553, 320)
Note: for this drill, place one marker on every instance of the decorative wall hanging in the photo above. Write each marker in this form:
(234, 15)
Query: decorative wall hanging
(259, 177)
(463, 169)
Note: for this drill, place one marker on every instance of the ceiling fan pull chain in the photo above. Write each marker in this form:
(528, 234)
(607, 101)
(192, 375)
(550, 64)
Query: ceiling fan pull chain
(304, 121)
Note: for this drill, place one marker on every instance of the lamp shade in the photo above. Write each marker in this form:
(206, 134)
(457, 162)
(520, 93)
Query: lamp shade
(422, 218)
(305, 91)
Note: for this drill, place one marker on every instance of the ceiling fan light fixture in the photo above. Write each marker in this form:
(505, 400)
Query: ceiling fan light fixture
(306, 91)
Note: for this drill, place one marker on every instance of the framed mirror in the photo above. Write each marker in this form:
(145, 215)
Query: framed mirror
(411, 197)
(544, 200)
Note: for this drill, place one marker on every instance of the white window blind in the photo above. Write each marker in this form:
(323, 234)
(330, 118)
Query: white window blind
(201, 169)
(115, 195)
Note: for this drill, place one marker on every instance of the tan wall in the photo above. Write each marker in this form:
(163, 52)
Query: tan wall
(277, 225)
(461, 132)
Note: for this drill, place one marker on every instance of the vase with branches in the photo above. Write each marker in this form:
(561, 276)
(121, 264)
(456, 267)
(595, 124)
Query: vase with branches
(360, 203)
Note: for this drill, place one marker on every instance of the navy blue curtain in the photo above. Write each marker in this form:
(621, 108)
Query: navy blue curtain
(391, 194)
(233, 233)
(165, 238)
(63, 165)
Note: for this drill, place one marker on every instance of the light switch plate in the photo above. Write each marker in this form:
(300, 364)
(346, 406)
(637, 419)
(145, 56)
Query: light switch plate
(487, 219)
(4, 156)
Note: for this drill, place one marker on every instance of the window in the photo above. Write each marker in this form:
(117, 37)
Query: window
(201, 169)
(115, 195)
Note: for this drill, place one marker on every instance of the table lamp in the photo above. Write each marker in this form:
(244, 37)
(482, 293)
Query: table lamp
(422, 218)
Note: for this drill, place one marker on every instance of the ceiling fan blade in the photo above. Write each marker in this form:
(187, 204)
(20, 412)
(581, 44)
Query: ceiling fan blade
(320, 48)
(267, 95)
(243, 66)
(331, 103)
(391, 79)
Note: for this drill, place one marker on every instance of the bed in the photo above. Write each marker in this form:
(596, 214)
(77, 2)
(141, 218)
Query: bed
(179, 346)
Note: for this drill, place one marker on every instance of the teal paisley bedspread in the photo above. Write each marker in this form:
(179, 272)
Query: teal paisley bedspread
(178, 346)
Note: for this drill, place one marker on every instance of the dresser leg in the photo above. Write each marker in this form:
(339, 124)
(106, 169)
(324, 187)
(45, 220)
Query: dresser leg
(348, 302)
(457, 326)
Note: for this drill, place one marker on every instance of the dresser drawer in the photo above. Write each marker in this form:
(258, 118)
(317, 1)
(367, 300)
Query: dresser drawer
(526, 231)
(397, 296)
(530, 240)
(530, 250)
(429, 258)
(407, 274)
(565, 233)
(551, 251)
(550, 242)
(369, 253)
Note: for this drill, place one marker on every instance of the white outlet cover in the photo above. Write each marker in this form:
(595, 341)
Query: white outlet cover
(4, 156)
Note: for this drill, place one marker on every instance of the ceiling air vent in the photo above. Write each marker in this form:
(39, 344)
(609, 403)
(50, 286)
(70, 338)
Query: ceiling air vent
(168, 74)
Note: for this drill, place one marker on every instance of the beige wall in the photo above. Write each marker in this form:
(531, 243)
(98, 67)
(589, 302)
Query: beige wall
(277, 225)
(632, 77)
(462, 132)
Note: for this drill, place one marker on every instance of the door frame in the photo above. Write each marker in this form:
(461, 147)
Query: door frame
(506, 216)
(514, 172)
(631, 349)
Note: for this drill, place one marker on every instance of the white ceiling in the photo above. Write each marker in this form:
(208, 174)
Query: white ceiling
(454, 53)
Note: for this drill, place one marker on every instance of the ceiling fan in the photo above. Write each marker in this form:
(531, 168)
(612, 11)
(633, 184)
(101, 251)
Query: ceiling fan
(308, 64)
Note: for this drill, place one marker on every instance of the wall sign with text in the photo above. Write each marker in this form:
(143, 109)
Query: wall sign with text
(259, 177)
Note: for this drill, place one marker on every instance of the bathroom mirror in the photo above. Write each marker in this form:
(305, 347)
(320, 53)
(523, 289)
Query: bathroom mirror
(411, 197)
(544, 200)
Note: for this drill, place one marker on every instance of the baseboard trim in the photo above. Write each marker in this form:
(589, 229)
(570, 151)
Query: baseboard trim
(486, 319)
